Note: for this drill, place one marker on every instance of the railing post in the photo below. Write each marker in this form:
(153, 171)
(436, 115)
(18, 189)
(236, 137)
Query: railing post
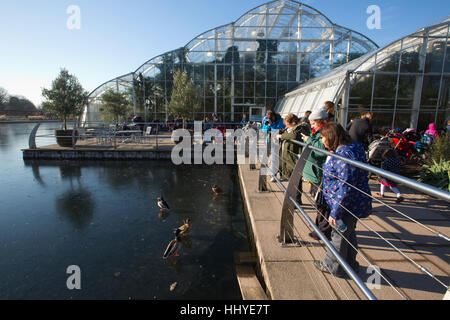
(156, 138)
(287, 218)
(262, 180)
(73, 136)
(32, 139)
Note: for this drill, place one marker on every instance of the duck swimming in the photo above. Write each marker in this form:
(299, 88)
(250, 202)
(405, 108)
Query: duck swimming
(163, 204)
(172, 248)
(184, 229)
(216, 189)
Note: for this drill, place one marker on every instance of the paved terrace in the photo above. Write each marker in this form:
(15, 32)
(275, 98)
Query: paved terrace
(288, 271)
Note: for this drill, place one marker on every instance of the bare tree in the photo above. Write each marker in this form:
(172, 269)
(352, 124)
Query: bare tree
(3, 96)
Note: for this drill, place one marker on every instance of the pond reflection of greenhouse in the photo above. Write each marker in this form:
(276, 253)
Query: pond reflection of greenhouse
(252, 62)
(405, 84)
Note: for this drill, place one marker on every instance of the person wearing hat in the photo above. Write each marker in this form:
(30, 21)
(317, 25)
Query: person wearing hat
(312, 172)
(360, 130)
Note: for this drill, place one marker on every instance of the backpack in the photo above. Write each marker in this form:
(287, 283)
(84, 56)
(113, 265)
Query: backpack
(377, 148)
(428, 139)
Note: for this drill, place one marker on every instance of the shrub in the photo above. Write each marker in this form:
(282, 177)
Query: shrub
(436, 174)
(439, 150)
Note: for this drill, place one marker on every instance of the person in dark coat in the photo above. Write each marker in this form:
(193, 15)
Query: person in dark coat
(312, 172)
(330, 110)
(346, 189)
(360, 130)
(305, 118)
(289, 150)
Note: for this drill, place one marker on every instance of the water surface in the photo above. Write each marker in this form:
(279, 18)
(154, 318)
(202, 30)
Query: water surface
(103, 217)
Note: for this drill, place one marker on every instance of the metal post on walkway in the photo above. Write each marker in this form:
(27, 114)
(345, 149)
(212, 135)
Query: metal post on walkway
(287, 218)
(32, 138)
(262, 180)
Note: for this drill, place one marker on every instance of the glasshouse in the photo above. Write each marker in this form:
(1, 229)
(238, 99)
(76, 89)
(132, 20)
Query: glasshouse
(246, 66)
(405, 84)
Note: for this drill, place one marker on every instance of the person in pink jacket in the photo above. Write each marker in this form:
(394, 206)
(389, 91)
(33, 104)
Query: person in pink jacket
(432, 130)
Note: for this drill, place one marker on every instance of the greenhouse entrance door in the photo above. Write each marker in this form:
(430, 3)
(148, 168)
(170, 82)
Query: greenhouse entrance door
(257, 113)
(240, 109)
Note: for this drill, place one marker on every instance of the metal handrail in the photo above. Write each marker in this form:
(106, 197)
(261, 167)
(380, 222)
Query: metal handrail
(424, 188)
(341, 261)
(286, 229)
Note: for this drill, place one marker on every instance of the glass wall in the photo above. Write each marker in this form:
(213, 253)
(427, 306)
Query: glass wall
(410, 87)
(405, 84)
(252, 62)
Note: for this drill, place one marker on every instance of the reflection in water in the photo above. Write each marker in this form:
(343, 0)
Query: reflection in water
(162, 215)
(70, 170)
(187, 242)
(120, 235)
(37, 174)
(4, 136)
(77, 206)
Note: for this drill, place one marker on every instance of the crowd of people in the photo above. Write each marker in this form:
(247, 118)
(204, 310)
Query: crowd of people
(339, 191)
(334, 185)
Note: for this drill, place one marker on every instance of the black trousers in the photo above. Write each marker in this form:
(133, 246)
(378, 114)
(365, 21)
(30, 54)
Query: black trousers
(347, 250)
(323, 209)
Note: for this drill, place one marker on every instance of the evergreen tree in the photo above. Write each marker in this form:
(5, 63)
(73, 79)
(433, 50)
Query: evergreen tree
(66, 98)
(115, 105)
(185, 98)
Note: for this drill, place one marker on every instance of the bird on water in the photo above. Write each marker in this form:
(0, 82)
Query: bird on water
(216, 189)
(172, 248)
(184, 229)
(163, 204)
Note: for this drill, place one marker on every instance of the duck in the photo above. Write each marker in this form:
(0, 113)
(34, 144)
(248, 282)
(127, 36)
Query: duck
(172, 248)
(216, 189)
(184, 229)
(163, 204)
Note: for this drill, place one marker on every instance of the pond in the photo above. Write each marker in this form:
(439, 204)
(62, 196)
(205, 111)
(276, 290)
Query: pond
(103, 217)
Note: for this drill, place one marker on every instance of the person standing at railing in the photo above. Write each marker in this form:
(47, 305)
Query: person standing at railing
(288, 150)
(208, 125)
(305, 118)
(343, 187)
(273, 122)
(330, 110)
(266, 117)
(360, 130)
(244, 120)
(312, 172)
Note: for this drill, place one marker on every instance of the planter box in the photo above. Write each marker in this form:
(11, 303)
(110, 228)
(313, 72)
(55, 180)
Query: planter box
(64, 138)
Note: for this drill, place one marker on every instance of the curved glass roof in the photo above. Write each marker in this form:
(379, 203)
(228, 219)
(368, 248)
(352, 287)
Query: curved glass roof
(406, 64)
(288, 21)
(299, 41)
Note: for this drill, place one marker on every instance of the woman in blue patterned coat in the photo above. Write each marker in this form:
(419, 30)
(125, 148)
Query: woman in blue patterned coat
(339, 179)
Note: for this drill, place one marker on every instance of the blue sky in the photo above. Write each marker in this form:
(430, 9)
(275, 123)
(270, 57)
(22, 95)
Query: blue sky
(117, 36)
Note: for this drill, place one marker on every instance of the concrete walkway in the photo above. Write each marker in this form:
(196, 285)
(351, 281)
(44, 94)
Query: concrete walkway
(288, 271)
